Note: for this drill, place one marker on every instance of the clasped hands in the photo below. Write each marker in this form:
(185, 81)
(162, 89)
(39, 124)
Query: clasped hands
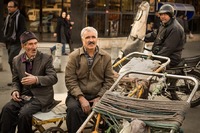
(85, 104)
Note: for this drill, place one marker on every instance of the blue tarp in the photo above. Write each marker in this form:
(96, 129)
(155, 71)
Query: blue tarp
(187, 9)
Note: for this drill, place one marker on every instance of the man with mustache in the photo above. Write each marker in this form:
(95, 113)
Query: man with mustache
(170, 39)
(32, 90)
(88, 75)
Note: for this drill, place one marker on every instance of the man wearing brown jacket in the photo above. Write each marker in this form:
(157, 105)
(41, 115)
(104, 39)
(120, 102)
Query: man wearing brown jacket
(88, 75)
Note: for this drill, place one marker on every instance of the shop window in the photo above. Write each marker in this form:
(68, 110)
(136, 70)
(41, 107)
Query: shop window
(96, 5)
(127, 5)
(126, 23)
(98, 21)
(152, 5)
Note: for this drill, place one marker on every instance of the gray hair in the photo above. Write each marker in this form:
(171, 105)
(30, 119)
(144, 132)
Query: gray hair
(92, 29)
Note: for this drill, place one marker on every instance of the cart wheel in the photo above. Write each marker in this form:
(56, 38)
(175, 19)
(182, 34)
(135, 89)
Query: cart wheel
(183, 90)
(54, 130)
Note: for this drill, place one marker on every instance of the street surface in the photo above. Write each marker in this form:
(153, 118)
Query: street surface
(191, 122)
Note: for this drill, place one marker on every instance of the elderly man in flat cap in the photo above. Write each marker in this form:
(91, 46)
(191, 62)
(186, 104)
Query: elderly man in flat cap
(33, 80)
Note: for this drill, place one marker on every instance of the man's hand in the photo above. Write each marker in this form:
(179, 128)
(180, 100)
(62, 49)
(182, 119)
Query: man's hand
(29, 79)
(55, 35)
(94, 101)
(16, 97)
(85, 105)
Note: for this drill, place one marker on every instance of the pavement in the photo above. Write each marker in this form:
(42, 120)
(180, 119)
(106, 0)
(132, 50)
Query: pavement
(190, 124)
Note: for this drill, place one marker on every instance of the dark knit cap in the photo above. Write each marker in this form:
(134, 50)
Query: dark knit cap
(26, 36)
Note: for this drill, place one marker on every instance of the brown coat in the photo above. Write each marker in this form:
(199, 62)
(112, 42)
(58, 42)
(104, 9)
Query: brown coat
(44, 70)
(82, 81)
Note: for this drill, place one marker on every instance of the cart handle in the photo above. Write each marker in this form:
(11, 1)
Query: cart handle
(148, 55)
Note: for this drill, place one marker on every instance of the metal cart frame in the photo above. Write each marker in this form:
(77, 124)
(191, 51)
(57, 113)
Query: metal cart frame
(150, 74)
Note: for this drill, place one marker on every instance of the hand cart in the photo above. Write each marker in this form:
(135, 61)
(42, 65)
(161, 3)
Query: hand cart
(162, 115)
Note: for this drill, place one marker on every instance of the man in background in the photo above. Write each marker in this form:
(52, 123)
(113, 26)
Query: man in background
(170, 37)
(14, 26)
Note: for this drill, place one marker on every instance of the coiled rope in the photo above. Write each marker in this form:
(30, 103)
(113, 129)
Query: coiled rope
(160, 114)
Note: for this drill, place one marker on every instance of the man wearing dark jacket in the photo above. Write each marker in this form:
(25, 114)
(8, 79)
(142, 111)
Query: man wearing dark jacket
(32, 90)
(14, 26)
(170, 39)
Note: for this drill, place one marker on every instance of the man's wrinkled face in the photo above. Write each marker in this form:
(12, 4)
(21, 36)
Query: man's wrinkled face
(11, 7)
(164, 18)
(30, 48)
(89, 40)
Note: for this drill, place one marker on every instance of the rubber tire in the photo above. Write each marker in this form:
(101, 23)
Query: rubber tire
(196, 102)
(54, 130)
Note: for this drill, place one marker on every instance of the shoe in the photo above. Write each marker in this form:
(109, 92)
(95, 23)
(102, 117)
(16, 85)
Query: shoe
(51, 51)
(9, 84)
(65, 54)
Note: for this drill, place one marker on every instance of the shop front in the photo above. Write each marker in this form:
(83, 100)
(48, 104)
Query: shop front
(112, 18)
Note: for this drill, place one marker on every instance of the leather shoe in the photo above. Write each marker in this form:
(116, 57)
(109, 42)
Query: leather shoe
(64, 54)
(51, 50)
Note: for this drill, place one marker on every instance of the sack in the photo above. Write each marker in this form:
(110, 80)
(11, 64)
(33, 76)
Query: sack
(191, 36)
(136, 126)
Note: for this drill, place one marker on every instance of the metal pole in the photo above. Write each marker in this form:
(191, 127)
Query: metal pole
(85, 122)
(1, 56)
(40, 27)
(62, 5)
(1, 33)
(1, 18)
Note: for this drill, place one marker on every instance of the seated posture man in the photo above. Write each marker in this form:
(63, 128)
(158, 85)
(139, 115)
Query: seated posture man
(170, 39)
(88, 75)
(33, 80)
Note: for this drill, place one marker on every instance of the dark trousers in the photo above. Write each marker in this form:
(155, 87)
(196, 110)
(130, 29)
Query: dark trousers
(75, 115)
(13, 50)
(70, 46)
(18, 114)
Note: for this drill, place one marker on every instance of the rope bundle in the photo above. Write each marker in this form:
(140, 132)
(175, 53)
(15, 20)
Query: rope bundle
(160, 114)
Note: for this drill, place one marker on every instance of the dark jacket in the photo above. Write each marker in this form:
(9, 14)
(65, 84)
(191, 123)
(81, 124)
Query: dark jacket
(19, 26)
(170, 41)
(62, 30)
(82, 81)
(44, 70)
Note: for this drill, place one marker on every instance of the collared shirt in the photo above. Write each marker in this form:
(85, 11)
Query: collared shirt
(29, 63)
(90, 59)
(29, 66)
